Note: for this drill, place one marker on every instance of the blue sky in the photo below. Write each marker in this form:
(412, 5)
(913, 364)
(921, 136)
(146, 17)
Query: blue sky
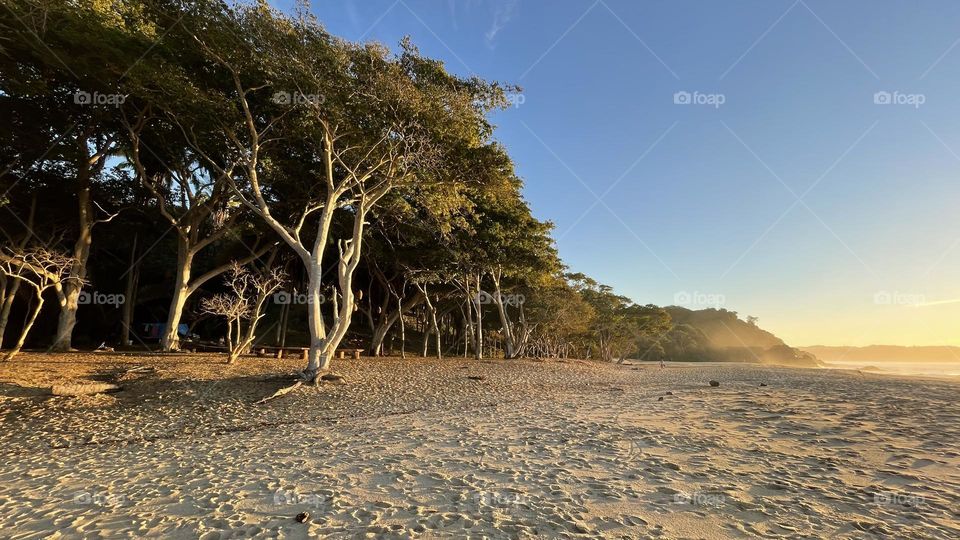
(703, 199)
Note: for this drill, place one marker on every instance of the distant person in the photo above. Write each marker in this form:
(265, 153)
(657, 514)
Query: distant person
(661, 363)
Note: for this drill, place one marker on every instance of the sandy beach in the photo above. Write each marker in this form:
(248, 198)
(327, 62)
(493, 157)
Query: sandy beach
(438, 449)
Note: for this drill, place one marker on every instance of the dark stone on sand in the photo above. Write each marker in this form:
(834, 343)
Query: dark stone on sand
(476, 377)
(303, 517)
(660, 398)
(714, 383)
(669, 393)
(763, 384)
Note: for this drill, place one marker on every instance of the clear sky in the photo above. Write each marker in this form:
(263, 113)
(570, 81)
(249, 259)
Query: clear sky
(787, 193)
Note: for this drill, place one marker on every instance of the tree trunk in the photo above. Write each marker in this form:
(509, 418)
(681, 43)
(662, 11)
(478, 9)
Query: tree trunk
(403, 330)
(436, 330)
(505, 324)
(387, 322)
(281, 338)
(479, 333)
(69, 294)
(230, 345)
(129, 300)
(426, 342)
(11, 286)
(26, 327)
(316, 359)
(181, 292)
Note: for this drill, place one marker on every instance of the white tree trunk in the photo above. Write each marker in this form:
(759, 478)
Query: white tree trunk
(26, 327)
(10, 292)
(181, 292)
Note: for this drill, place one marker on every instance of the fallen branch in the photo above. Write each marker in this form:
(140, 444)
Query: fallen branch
(281, 392)
(83, 389)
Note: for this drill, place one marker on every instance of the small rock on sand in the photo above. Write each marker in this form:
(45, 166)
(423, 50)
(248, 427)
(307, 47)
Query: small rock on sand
(763, 384)
(476, 377)
(669, 393)
(660, 398)
(303, 517)
(714, 383)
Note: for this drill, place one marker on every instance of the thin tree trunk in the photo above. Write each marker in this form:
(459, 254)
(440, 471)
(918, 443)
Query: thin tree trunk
(505, 323)
(403, 330)
(11, 286)
(387, 322)
(479, 333)
(26, 327)
(129, 301)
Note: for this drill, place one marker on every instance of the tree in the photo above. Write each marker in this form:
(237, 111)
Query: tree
(201, 216)
(41, 269)
(248, 295)
(362, 122)
(74, 107)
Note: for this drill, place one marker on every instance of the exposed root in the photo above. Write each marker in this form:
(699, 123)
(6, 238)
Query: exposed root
(281, 392)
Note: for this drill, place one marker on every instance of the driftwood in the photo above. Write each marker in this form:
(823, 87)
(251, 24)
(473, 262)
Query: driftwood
(83, 389)
(281, 392)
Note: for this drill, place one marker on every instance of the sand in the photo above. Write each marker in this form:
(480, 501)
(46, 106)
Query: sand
(416, 449)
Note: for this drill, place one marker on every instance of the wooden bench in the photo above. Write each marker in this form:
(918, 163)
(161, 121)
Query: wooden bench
(277, 352)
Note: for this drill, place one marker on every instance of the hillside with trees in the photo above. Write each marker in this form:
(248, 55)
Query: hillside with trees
(720, 335)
